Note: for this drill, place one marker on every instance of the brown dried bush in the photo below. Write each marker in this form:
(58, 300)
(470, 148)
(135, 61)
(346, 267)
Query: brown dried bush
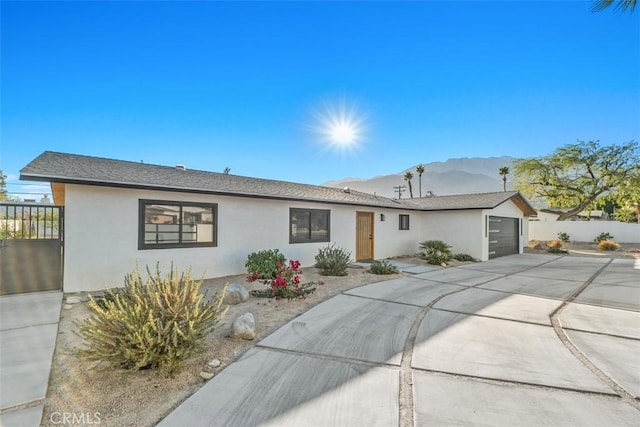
(555, 244)
(608, 245)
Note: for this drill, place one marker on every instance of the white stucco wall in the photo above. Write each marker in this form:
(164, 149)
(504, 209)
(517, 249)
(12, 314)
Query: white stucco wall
(101, 235)
(389, 239)
(462, 230)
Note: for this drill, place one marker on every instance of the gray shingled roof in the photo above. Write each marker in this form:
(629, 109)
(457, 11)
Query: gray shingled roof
(73, 168)
(472, 201)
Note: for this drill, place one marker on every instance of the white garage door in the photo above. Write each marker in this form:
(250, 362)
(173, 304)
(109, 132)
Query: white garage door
(504, 236)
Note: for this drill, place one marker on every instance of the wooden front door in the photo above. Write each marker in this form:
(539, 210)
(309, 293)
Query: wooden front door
(364, 236)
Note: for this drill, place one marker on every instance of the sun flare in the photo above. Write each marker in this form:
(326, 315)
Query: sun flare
(340, 126)
(343, 133)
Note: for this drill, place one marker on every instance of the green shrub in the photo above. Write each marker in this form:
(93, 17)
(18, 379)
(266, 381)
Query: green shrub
(563, 237)
(608, 245)
(464, 257)
(333, 261)
(109, 296)
(264, 263)
(603, 236)
(557, 251)
(155, 322)
(436, 252)
(383, 267)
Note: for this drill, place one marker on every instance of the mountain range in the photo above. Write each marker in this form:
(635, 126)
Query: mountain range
(454, 176)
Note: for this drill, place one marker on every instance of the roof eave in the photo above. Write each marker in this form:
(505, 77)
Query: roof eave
(118, 184)
(519, 200)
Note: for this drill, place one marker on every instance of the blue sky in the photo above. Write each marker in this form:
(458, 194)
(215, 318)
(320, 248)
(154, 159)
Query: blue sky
(241, 84)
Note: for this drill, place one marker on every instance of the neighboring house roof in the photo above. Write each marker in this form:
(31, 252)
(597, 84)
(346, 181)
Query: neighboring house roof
(78, 169)
(473, 201)
(595, 214)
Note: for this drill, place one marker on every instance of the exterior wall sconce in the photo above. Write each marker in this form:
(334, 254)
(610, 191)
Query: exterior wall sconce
(382, 218)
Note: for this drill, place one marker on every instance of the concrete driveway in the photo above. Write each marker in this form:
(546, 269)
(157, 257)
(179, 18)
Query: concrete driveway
(520, 340)
(28, 330)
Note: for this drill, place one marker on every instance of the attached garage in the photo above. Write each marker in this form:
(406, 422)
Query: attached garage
(504, 236)
(485, 226)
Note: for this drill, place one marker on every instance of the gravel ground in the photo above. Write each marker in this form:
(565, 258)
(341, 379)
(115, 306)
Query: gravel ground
(591, 249)
(142, 398)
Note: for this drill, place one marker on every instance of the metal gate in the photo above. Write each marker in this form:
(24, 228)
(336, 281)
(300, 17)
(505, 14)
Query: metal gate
(503, 236)
(31, 247)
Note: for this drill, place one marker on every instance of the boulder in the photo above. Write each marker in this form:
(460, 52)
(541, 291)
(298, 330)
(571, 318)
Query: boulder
(235, 294)
(73, 299)
(244, 327)
(214, 363)
(206, 375)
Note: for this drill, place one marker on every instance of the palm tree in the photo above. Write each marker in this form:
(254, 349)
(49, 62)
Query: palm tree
(407, 177)
(504, 171)
(624, 5)
(420, 170)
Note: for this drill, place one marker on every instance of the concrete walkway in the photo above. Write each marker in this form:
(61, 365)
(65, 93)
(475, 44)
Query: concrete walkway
(520, 340)
(29, 326)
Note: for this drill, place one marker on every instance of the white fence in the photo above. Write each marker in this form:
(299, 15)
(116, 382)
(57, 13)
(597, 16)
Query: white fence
(584, 231)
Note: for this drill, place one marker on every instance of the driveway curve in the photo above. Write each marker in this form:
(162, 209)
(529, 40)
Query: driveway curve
(519, 340)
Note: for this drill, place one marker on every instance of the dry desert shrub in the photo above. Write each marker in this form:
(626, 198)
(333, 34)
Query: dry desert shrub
(555, 244)
(608, 245)
(153, 322)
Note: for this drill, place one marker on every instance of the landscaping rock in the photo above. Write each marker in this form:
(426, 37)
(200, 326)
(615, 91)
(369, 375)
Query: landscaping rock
(235, 294)
(206, 375)
(73, 299)
(67, 306)
(214, 363)
(244, 327)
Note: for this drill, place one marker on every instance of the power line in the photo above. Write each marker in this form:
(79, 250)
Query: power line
(399, 189)
(38, 193)
(26, 185)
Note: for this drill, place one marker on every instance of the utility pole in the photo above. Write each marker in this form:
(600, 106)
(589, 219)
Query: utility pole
(399, 189)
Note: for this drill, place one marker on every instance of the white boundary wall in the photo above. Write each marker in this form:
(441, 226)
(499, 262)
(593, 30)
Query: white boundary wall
(584, 231)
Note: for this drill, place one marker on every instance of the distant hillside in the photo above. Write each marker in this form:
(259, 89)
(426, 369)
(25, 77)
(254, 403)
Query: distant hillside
(455, 176)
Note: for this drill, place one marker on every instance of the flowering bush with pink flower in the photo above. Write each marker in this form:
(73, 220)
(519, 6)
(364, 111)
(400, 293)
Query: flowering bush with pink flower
(285, 284)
